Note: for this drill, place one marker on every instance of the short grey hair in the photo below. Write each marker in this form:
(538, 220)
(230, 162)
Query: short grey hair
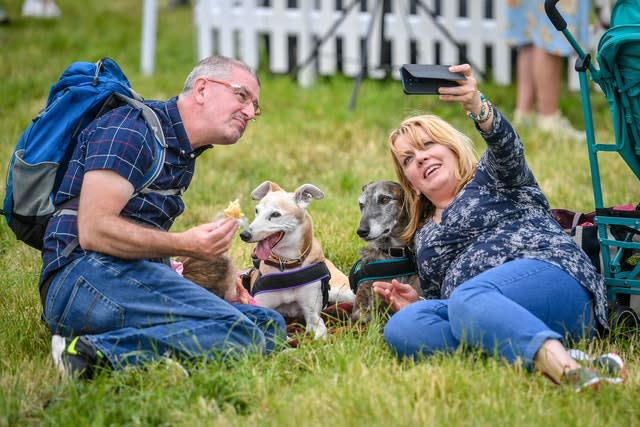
(217, 67)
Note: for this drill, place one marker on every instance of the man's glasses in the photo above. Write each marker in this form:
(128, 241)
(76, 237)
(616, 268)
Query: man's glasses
(241, 92)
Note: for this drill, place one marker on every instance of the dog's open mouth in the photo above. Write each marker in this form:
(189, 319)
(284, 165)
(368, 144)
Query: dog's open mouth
(263, 249)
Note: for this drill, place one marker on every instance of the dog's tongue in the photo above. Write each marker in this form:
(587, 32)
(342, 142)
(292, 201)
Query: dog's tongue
(263, 249)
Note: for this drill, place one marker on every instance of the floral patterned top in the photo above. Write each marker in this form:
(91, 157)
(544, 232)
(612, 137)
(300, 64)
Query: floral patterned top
(498, 216)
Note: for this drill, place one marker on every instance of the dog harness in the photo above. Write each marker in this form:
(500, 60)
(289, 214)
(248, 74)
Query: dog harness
(401, 262)
(293, 279)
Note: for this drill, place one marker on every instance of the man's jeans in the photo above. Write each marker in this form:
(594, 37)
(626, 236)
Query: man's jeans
(511, 310)
(139, 310)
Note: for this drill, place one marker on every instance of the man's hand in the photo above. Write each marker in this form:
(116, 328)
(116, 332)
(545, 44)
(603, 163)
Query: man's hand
(397, 295)
(211, 240)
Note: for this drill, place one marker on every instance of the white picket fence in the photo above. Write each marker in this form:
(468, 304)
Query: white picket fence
(238, 27)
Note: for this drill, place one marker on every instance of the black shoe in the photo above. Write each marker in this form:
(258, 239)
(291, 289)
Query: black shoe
(76, 357)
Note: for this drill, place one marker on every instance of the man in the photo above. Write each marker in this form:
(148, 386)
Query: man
(110, 297)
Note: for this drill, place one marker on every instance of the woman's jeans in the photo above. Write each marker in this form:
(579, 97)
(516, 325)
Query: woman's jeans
(509, 310)
(138, 310)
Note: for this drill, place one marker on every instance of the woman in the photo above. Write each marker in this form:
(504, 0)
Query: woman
(508, 277)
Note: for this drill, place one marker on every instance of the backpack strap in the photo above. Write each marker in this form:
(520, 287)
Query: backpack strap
(153, 123)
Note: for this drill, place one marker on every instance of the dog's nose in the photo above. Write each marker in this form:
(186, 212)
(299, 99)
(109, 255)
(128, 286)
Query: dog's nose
(245, 236)
(362, 232)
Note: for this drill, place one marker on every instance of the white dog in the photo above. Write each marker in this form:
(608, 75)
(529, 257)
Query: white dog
(294, 274)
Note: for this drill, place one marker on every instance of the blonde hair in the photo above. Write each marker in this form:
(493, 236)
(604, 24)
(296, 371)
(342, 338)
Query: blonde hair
(414, 129)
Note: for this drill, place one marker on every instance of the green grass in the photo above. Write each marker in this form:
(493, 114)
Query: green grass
(305, 136)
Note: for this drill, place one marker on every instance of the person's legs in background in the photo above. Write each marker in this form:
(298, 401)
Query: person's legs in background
(539, 77)
(540, 62)
(525, 112)
(548, 76)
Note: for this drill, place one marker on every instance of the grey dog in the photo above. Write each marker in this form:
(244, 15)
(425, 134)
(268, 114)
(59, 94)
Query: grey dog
(387, 256)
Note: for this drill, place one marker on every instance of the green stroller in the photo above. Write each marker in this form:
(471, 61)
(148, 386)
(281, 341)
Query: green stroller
(618, 75)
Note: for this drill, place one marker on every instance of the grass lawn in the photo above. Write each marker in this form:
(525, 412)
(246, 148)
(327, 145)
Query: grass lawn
(305, 136)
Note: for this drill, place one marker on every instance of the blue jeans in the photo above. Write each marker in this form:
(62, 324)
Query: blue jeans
(510, 309)
(138, 310)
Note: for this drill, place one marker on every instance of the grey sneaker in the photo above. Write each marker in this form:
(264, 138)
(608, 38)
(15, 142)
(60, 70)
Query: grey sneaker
(582, 378)
(76, 357)
(612, 364)
(609, 363)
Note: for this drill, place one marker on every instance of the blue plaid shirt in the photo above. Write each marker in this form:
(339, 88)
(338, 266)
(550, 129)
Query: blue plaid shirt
(121, 141)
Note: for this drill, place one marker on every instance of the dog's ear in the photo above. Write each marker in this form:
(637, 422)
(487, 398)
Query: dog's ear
(305, 193)
(262, 190)
(396, 189)
(366, 185)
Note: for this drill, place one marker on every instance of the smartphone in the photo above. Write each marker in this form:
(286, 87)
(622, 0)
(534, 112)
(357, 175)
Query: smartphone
(424, 79)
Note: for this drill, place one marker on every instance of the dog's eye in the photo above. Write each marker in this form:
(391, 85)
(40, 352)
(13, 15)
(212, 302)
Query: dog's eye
(275, 215)
(384, 200)
(361, 205)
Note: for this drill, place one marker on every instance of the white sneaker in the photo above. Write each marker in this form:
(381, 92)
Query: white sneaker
(522, 119)
(40, 9)
(559, 125)
(58, 345)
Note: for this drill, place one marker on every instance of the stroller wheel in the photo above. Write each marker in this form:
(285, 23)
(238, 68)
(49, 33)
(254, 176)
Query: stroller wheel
(624, 321)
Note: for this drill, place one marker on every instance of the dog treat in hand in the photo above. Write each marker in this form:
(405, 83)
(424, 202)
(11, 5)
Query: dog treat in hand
(233, 210)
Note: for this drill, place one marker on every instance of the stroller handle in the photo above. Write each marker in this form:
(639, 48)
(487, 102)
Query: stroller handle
(554, 16)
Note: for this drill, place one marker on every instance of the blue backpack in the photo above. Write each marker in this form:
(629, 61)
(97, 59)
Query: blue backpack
(84, 92)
